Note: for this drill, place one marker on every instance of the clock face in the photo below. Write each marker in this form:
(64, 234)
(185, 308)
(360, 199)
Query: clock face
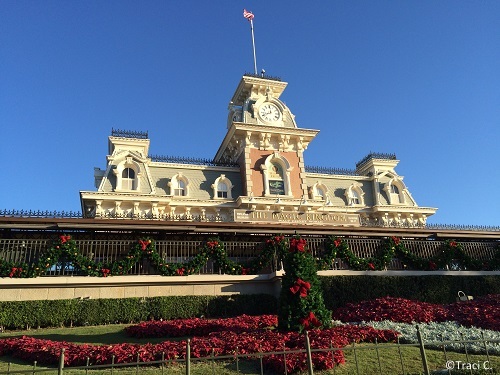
(269, 112)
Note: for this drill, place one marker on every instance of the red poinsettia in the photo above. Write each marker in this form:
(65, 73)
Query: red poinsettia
(302, 287)
(144, 244)
(298, 244)
(64, 239)
(310, 321)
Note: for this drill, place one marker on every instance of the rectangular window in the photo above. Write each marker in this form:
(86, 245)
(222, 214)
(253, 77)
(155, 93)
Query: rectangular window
(222, 194)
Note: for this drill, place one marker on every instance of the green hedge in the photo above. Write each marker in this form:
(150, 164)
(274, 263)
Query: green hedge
(75, 312)
(339, 290)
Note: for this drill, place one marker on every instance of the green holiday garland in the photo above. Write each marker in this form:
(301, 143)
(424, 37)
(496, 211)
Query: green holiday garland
(451, 251)
(65, 249)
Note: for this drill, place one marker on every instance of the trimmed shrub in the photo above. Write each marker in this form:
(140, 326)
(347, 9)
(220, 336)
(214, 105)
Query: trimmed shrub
(75, 312)
(339, 290)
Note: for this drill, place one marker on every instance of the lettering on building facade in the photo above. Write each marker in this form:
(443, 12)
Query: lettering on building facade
(263, 216)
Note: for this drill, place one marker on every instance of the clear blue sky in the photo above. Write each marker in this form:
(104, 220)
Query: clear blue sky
(420, 79)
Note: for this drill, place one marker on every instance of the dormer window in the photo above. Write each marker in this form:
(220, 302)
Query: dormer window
(180, 189)
(354, 198)
(395, 191)
(319, 191)
(127, 175)
(221, 190)
(222, 187)
(179, 186)
(354, 195)
(128, 179)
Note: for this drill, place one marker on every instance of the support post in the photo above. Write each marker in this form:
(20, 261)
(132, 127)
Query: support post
(188, 357)
(422, 351)
(310, 370)
(60, 369)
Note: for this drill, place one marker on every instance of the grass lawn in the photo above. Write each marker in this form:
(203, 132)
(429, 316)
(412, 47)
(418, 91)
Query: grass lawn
(368, 363)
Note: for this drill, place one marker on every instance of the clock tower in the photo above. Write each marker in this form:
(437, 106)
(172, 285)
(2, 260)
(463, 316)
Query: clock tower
(263, 138)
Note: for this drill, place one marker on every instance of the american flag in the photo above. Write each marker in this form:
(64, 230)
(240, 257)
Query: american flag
(248, 15)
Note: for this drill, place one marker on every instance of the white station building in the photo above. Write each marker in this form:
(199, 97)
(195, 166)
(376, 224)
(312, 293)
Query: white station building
(258, 175)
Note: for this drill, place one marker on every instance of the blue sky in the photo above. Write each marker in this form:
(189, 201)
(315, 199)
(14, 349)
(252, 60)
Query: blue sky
(420, 79)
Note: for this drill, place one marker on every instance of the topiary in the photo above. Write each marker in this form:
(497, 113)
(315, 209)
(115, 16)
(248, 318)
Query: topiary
(301, 305)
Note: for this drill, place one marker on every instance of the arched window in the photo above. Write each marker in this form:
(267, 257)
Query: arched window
(127, 175)
(221, 190)
(319, 192)
(276, 173)
(354, 198)
(222, 187)
(128, 179)
(276, 182)
(395, 190)
(179, 186)
(354, 195)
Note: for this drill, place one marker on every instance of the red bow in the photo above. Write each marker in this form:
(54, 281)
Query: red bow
(105, 272)
(15, 272)
(65, 239)
(371, 266)
(180, 272)
(396, 240)
(212, 244)
(453, 244)
(302, 287)
(310, 321)
(144, 244)
(337, 242)
(298, 245)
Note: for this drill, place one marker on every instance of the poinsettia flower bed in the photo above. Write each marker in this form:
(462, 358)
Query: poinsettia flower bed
(391, 308)
(219, 343)
(483, 312)
(200, 327)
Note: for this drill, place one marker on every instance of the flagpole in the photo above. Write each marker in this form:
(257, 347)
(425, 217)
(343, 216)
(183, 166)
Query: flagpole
(253, 45)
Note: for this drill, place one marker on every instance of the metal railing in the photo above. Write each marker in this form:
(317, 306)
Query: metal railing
(376, 155)
(129, 134)
(181, 251)
(327, 170)
(191, 161)
(409, 361)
